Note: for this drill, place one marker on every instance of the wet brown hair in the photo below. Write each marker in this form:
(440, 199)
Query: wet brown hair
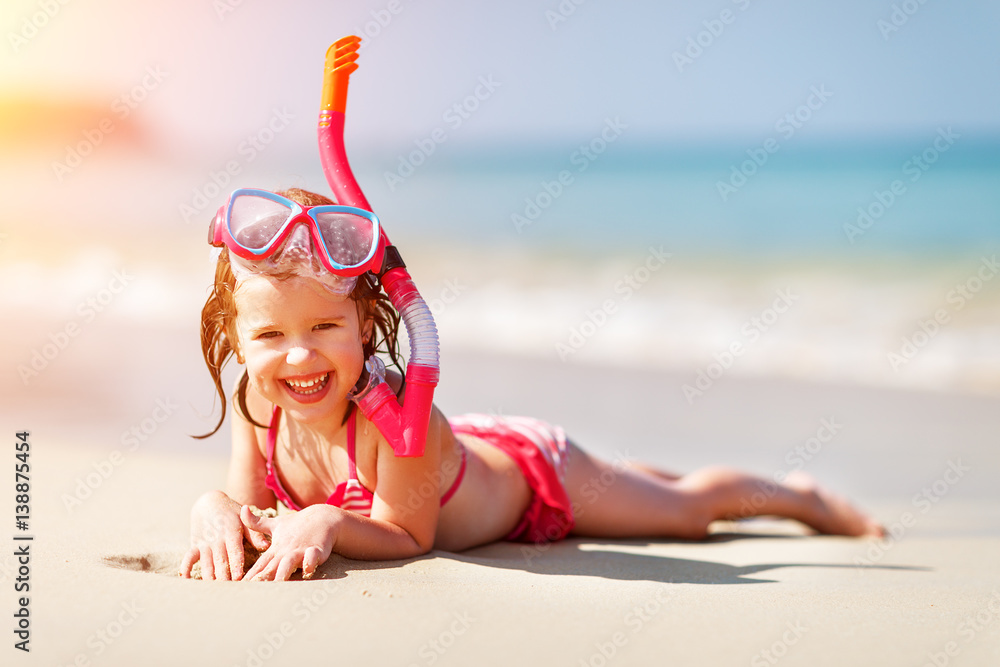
(218, 322)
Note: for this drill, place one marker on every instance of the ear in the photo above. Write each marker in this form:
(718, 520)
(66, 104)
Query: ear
(367, 329)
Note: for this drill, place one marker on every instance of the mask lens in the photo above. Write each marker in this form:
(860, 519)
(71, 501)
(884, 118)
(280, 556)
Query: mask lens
(255, 221)
(349, 238)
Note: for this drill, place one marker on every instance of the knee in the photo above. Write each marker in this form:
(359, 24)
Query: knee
(696, 526)
(711, 491)
(695, 513)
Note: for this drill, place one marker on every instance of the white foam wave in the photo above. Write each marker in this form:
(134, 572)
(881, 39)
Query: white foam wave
(836, 323)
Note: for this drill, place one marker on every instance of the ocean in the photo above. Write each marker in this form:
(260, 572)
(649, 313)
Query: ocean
(880, 255)
(855, 261)
(832, 199)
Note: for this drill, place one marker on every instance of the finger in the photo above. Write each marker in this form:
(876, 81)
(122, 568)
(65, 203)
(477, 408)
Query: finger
(221, 561)
(234, 549)
(258, 567)
(267, 572)
(254, 522)
(259, 540)
(311, 561)
(287, 566)
(190, 558)
(207, 567)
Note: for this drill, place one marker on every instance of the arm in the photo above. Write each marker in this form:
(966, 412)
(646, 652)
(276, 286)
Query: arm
(247, 463)
(216, 530)
(405, 511)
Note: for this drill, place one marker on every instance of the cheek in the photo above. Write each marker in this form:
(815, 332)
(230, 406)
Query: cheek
(254, 372)
(349, 356)
(353, 354)
(259, 363)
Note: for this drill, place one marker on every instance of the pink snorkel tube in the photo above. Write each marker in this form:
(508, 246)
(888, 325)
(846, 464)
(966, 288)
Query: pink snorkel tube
(404, 426)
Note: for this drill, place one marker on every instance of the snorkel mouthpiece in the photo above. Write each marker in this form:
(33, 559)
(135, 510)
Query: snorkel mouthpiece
(404, 426)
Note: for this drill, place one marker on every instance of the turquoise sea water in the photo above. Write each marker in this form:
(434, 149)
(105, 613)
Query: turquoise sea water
(718, 198)
(578, 271)
(520, 248)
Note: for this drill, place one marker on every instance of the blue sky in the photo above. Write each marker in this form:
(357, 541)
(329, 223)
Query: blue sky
(558, 80)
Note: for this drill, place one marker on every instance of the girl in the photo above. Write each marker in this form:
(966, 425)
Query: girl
(298, 438)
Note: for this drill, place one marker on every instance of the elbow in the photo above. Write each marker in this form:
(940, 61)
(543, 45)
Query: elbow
(421, 541)
(406, 542)
(422, 534)
(422, 546)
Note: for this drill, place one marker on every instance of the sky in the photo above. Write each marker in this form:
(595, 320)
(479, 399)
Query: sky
(672, 71)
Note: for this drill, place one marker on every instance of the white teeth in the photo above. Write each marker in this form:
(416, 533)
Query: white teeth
(308, 386)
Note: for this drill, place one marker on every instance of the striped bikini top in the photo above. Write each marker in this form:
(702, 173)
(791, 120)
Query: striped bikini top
(349, 495)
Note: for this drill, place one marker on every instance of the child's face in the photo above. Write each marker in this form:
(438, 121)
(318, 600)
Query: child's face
(302, 345)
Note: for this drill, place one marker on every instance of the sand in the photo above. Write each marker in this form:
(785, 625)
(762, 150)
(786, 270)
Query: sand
(105, 590)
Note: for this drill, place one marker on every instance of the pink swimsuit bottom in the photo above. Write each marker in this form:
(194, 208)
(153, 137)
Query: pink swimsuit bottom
(538, 449)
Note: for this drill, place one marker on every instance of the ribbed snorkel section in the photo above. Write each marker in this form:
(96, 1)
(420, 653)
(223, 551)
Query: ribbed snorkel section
(421, 329)
(405, 427)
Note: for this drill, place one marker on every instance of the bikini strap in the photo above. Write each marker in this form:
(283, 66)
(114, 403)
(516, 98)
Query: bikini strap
(351, 421)
(271, 481)
(272, 438)
(458, 478)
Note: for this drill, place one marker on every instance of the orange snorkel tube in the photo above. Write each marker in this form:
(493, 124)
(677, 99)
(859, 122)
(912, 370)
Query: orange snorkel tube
(404, 426)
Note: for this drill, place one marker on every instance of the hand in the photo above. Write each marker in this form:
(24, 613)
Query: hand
(217, 538)
(301, 539)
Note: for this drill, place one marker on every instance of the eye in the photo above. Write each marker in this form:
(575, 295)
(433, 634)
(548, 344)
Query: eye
(267, 334)
(327, 325)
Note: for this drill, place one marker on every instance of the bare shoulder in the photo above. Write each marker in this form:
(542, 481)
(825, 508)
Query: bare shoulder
(260, 410)
(438, 430)
(246, 464)
(240, 422)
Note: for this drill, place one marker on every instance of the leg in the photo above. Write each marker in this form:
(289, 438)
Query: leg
(655, 472)
(625, 501)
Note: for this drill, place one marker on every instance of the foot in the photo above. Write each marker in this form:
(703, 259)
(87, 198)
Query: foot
(832, 514)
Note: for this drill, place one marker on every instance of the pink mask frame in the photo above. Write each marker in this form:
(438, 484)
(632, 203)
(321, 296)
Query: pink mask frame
(320, 221)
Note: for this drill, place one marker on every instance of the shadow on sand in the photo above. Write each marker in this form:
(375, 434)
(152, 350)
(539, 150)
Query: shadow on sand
(570, 557)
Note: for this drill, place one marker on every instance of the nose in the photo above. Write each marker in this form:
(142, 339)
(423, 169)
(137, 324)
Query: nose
(298, 355)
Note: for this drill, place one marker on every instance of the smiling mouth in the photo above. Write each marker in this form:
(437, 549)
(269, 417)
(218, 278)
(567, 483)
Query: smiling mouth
(306, 387)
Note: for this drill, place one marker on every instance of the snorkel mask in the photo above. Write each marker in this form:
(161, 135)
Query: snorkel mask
(270, 234)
